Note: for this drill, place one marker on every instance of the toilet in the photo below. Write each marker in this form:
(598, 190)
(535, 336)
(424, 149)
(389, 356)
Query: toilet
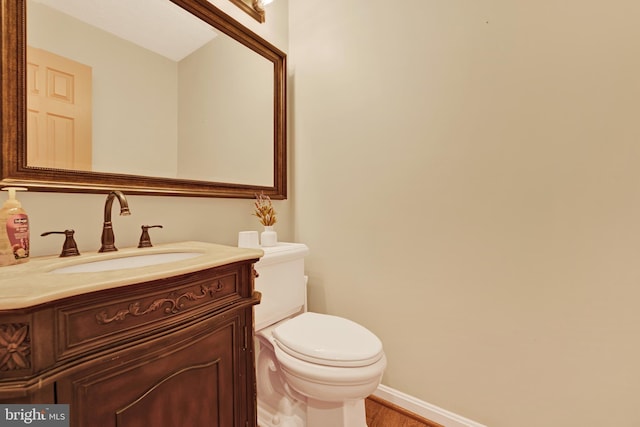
(313, 370)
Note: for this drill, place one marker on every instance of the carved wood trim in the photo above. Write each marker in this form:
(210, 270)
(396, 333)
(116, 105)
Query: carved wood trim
(15, 346)
(172, 305)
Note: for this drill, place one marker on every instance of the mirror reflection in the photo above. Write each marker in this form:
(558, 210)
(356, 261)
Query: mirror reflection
(145, 88)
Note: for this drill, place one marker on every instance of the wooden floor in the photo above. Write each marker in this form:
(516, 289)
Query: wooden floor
(381, 413)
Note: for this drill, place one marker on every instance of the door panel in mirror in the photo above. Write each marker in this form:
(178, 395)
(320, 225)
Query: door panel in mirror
(59, 111)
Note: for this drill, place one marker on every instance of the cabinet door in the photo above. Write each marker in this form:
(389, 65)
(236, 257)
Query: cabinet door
(184, 379)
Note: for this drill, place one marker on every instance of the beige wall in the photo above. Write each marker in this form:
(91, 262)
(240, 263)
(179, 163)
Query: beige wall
(236, 123)
(466, 175)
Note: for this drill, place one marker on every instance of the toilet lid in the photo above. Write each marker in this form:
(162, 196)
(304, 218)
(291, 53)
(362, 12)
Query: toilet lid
(328, 340)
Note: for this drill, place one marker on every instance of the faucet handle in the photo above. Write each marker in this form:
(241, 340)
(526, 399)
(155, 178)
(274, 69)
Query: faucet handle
(145, 240)
(69, 248)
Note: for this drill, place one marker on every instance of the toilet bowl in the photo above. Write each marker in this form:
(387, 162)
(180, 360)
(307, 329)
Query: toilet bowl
(313, 370)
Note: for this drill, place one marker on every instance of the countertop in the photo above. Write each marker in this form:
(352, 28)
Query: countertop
(32, 283)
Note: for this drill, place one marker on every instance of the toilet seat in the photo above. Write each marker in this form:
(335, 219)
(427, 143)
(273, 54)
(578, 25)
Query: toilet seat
(328, 340)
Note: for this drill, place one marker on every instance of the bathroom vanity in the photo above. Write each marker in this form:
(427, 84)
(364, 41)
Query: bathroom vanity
(167, 344)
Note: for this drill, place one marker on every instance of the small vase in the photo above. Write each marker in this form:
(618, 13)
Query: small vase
(268, 237)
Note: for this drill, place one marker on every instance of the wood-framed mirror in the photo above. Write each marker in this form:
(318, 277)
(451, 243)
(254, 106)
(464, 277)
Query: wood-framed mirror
(251, 139)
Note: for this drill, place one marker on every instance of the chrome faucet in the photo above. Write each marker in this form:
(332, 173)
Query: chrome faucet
(108, 238)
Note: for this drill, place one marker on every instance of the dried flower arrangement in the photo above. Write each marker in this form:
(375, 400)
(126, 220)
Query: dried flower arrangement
(264, 210)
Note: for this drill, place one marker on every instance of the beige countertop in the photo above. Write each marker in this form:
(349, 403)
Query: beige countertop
(34, 282)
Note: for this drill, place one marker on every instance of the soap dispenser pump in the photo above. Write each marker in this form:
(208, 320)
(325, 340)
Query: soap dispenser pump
(14, 230)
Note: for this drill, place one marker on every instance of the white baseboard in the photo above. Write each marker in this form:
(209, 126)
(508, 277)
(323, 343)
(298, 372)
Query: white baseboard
(424, 409)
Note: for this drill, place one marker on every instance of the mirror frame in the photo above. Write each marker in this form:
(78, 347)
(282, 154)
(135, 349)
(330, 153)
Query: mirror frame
(13, 162)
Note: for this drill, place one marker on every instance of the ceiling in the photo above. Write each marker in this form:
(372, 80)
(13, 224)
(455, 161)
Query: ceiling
(157, 25)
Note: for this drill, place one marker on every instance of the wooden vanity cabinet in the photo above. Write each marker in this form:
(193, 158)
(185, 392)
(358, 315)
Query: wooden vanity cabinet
(166, 353)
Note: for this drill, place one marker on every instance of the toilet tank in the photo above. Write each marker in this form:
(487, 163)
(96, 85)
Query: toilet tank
(282, 283)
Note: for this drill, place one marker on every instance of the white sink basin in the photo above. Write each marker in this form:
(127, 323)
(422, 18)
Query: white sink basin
(125, 262)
